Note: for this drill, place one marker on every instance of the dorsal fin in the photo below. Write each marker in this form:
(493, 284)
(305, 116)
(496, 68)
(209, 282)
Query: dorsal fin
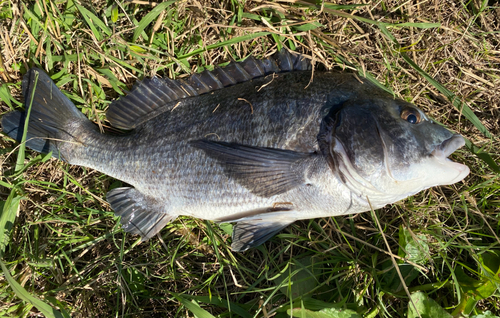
(148, 96)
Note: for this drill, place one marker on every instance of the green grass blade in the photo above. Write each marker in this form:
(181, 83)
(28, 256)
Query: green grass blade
(125, 64)
(234, 40)
(93, 21)
(9, 210)
(22, 147)
(31, 16)
(193, 307)
(22, 293)
(414, 25)
(307, 26)
(5, 184)
(342, 6)
(223, 303)
(150, 17)
(6, 96)
(48, 51)
(114, 14)
(482, 155)
(325, 313)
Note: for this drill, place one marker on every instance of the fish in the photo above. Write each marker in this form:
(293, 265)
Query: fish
(260, 143)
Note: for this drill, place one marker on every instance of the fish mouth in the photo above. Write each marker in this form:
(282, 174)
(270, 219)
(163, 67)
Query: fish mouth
(456, 171)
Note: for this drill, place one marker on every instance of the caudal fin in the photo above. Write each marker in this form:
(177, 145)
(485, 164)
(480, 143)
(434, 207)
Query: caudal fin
(53, 118)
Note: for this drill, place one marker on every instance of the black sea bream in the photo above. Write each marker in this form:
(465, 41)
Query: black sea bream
(262, 143)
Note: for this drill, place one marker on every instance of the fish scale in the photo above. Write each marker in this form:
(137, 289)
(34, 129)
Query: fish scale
(261, 143)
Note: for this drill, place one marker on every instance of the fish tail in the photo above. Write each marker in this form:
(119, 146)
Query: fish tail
(54, 122)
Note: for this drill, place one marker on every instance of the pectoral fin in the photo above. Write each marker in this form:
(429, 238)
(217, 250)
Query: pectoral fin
(263, 171)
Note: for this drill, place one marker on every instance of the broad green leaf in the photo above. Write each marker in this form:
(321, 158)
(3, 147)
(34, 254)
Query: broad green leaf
(69, 15)
(227, 228)
(299, 279)
(426, 307)
(475, 290)
(316, 305)
(150, 17)
(23, 294)
(390, 280)
(325, 313)
(135, 280)
(193, 307)
(67, 57)
(416, 251)
(252, 16)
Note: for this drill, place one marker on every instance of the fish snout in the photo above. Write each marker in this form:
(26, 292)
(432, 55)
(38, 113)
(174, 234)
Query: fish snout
(447, 147)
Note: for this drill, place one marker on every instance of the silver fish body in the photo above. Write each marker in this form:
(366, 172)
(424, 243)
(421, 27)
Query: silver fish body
(237, 145)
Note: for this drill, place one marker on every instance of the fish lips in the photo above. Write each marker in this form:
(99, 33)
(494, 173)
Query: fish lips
(449, 146)
(445, 149)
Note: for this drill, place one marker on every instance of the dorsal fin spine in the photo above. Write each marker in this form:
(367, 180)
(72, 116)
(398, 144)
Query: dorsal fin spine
(200, 86)
(151, 91)
(242, 71)
(181, 93)
(190, 91)
(172, 88)
(253, 67)
(225, 78)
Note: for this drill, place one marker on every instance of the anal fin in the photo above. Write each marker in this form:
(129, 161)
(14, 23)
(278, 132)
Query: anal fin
(139, 213)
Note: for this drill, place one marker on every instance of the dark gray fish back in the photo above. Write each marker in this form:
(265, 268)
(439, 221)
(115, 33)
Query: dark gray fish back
(148, 97)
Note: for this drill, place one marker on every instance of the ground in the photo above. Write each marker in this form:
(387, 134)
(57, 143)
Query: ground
(63, 246)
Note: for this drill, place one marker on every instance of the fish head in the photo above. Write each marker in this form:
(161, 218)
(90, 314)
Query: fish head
(387, 149)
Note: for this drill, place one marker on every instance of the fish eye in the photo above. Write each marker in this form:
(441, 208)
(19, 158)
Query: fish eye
(411, 115)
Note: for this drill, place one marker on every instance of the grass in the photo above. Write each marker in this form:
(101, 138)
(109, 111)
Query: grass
(63, 246)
